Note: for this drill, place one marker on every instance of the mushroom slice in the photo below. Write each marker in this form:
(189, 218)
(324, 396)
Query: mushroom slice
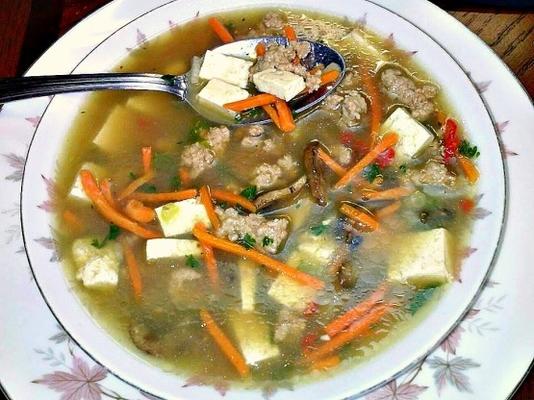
(286, 193)
(315, 173)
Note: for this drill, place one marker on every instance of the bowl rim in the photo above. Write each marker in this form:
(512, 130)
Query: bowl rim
(503, 212)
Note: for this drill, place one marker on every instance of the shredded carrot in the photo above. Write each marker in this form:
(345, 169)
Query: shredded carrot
(207, 202)
(331, 163)
(290, 33)
(376, 103)
(139, 212)
(146, 155)
(469, 169)
(185, 177)
(287, 124)
(358, 328)
(326, 363)
(271, 112)
(388, 210)
(258, 100)
(256, 256)
(389, 194)
(163, 197)
(229, 197)
(104, 208)
(220, 30)
(136, 184)
(72, 220)
(260, 49)
(133, 269)
(105, 187)
(359, 216)
(329, 77)
(226, 346)
(387, 141)
(358, 311)
(211, 262)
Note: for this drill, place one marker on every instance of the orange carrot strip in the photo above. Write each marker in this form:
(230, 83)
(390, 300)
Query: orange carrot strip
(331, 163)
(271, 112)
(329, 77)
(229, 197)
(358, 311)
(469, 169)
(326, 363)
(146, 155)
(211, 263)
(136, 184)
(259, 100)
(93, 192)
(205, 199)
(138, 212)
(163, 197)
(287, 124)
(389, 194)
(359, 216)
(220, 30)
(133, 269)
(388, 210)
(260, 49)
(184, 175)
(105, 187)
(387, 141)
(358, 328)
(256, 256)
(72, 220)
(226, 346)
(376, 102)
(290, 33)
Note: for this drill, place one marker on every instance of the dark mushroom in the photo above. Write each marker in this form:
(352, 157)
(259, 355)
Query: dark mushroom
(277, 195)
(315, 173)
(145, 340)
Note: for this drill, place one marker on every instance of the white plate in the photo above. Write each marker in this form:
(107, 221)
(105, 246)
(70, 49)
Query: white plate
(455, 374)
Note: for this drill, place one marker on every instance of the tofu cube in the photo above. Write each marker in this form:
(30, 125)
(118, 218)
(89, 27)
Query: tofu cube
(180, 217)
(165, 249)
(97, 268)
(422, 259)
(282, 84)
(253, 337)
(76, 191)
(121, 119)
(232, 70)
(413, 136)
(291, 293)
(217, 93)
(248, 275)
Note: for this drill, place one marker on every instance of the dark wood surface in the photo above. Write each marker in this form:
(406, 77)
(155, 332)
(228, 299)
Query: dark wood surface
(29, 27)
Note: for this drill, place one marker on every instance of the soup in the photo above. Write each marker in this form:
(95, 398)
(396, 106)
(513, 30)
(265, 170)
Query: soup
(266, 253)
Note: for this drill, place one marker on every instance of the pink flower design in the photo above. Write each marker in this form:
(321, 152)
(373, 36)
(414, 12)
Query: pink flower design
(50, 244)
(468, 251)
(172, 24)
(404, 391)
(500, 127)
(140, 38)
(16, 162)
(390, 43)
(81, 383)
(221, 386)
(482, 86)
(451, 371)
(34, 120)
(49, 205)
(362, 21)
(452, 341)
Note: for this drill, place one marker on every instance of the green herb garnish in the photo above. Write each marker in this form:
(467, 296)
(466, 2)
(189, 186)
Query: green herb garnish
(468, 150)
(192, 261)
(267, 241)
(175, 183)
(113, 232)
(420, 298)
(371, 172)
(318, 230)
(249, 192)
(195, 133)
(148, 188)
(247, 241)
(163, 162)
(403, 168)
(230, 26)
(132, 176)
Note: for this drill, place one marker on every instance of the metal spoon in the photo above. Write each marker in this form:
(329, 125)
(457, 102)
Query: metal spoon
(179, 85)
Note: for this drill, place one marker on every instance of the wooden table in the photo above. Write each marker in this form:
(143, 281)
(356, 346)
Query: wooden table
(28, 27)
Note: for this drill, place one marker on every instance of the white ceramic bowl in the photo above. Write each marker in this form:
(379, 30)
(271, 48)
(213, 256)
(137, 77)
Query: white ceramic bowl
(50, 136)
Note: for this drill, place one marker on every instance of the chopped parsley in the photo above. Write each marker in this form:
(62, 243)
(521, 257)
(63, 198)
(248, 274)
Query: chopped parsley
(192, 261)
(468, 150)
(267, 241)
(403, 168)
(175, 183)
(148, 188)
(247, 241)
(230, 26)
(113, 232)
(249, 192)
(371, 172)
(132, 176)
(163, 162)
(195, 133)
(250, 114)
(318, 230)
(420, 298)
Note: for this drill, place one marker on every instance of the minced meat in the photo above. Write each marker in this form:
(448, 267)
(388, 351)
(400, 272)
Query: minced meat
(433, 173)
(267, 175)
(352, 107)
(235, 226)
(255, 138)
(290, 325)
(403, 89)
(197, 158)
(317, 29)
(273, 20)
(333, 102)
(218, 137)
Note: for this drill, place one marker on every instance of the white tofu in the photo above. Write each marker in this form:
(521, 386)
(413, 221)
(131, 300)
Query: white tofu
(180, 217)
(97, 268)
(217, 93)
(164, 249)
(360, 39)
(232, 70)
(76, 190)
(253, 337)
(282, 84)
(422, 259)
(413, 136)
(121, 119)
(248, 275)
(291, 293)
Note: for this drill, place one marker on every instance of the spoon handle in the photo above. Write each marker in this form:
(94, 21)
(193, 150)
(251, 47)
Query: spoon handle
(34, 86)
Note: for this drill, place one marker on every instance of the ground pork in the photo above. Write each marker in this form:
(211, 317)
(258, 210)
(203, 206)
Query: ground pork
(313, 81)
(349, 80)
(352, 107)
(218, 137)
(287, 163)
(273, 20)
(197, 158)
(290, 325)
(333, 102)
(401, 88)
(433, 173)
(254, 138)
(317, 29)
(235, 226)
(267, 175)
